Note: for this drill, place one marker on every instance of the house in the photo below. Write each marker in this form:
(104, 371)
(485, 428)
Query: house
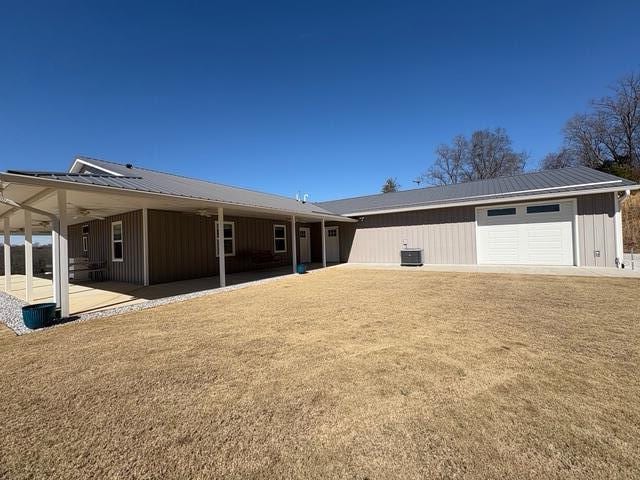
(143, 226)
(569, 216)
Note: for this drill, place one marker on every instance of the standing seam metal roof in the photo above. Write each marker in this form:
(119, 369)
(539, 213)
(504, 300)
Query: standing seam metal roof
(561, 180)
(152, 181)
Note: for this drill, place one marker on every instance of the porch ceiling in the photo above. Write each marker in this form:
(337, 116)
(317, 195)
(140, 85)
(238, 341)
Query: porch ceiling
(104, 203)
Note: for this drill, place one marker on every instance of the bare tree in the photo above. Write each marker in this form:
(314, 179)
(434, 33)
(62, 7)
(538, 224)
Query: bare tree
(620, 113)
(390, 185)
(608, 137)
(562, 159)
(487, 154)
(449, 165)
(492, 155)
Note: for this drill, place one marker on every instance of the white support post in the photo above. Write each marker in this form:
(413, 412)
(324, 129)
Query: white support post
(145, 247)
(294, 242)
(221, 256)
(64, 253)
(324, 245)
(55, 261)
(7, 255)
(28, 257)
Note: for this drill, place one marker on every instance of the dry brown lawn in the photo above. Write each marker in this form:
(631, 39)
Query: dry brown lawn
(343, 373)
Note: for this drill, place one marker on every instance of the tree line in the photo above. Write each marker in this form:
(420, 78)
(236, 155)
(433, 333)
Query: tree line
(605, 137)
(41, 259)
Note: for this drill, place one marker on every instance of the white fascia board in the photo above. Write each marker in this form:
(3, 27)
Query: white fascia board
(78, 163)
(492, 201)
(84, 187)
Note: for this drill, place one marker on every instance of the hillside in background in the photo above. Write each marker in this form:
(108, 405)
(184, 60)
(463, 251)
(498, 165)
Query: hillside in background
(631, 223)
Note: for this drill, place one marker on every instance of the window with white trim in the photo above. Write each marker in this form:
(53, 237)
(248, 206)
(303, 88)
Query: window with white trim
(85, 241)
(117, 254)
(229, 239)
(279, 238)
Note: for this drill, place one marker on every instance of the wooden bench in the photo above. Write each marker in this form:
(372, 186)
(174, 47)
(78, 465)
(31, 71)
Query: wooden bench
(263, 257)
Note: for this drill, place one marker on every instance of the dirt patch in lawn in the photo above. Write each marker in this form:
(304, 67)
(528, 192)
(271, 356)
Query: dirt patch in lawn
(337, 374)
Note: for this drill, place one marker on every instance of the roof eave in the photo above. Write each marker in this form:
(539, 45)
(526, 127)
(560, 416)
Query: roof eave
(490, 201)
(63, 184)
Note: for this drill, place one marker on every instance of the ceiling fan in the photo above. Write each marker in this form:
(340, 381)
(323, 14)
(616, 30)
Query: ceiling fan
(86, 213)
(201, 212)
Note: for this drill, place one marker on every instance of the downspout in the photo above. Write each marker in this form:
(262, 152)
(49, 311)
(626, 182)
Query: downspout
(618, 227)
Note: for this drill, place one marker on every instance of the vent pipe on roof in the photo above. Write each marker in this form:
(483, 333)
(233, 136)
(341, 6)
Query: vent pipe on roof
(128, 165)
(303, 199)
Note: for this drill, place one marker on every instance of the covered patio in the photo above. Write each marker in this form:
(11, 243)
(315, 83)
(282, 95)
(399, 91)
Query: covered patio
(43, 202)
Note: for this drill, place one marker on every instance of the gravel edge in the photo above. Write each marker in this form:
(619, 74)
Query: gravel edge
(11, 313)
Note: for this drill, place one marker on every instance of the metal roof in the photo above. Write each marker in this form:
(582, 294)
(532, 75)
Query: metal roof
(483, 191)
(536, 184)
(129, 177)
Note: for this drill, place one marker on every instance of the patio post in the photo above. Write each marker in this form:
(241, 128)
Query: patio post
(63, 251)
(324, 246)
(28, 257)
(294, 241)
(55, 262)
(145, 247)
(7, 255)
(221, 255)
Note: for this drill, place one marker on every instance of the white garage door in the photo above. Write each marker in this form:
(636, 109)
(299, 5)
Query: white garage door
(526, 234)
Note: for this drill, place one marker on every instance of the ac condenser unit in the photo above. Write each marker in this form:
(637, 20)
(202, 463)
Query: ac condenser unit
(411, 257)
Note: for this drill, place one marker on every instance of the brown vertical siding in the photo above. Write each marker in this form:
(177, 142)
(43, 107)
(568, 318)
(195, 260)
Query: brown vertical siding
(446, 235)
(596, 230)
(182, 246)
(99, 246)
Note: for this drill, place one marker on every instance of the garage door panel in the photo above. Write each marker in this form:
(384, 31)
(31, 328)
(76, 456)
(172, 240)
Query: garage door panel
(543, 238)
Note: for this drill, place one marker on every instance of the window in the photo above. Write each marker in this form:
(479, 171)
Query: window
(229, 239)
(332, 232)
(279, 238)
(85, 248)
(496, 212)
(553, 207)
(85, 229)
(116, 242)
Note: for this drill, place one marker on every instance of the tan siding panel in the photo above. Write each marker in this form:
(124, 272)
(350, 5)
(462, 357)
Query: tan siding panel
(596, 230)
(447, 236)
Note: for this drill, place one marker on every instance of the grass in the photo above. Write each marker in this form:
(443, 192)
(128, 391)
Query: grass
(338, 374)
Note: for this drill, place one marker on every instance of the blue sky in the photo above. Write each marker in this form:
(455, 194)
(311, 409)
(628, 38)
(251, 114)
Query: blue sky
(325, 98)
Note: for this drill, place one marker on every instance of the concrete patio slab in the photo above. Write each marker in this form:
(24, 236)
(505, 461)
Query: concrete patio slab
(89, 297)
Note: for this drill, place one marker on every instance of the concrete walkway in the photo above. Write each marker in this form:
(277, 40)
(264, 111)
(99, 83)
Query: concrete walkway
(509, 269)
